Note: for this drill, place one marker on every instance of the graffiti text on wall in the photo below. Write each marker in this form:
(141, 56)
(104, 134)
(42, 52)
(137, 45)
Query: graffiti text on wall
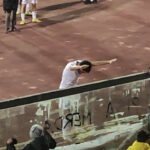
(72, 119)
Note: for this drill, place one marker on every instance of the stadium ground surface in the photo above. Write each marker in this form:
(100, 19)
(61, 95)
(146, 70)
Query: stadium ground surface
(33, 58)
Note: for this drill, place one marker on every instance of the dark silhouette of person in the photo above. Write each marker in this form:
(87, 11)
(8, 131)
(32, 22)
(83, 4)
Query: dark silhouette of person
(10, 6)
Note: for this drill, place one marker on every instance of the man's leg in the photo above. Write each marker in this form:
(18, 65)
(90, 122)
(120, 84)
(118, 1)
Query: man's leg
(14, 20)
(19, 7)
(7, 21)
(23, 7)
(34, 12)
(28, 12)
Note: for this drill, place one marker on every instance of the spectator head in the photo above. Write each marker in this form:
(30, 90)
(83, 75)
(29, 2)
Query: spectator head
(36, 131)
(12, 141)
(142, 136)
(85, 62)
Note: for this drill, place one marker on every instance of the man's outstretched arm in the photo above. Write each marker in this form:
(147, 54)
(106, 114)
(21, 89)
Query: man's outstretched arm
(104, 62)
(77, 67)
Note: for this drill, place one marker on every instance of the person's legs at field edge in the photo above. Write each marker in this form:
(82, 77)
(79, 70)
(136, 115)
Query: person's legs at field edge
(7, 21)
(34, 12)
(23, 7)
(28, 12)
(34, 9)
(14, 20)
(19, 7)
(27, 8)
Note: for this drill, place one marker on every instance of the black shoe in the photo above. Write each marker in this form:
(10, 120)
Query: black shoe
(14, 29)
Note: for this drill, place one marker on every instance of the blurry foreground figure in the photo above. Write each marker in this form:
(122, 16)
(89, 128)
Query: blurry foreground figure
(39, 141)
(142, 142)
(10, 144)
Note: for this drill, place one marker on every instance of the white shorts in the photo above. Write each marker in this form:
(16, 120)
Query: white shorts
(29, 1)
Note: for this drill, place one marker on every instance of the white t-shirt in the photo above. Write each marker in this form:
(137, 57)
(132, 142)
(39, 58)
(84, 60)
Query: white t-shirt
(69, 77)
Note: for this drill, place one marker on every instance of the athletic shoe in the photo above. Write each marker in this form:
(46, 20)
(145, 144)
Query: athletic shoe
(28, 13)
(22, 22)
(36, 20)
(14, 29)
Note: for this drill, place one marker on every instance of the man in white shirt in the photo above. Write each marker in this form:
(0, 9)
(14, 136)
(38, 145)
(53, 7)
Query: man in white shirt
(74, 69)
(70, 76)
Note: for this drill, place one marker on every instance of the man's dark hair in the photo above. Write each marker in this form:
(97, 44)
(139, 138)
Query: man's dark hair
(85, 62)
(142, 136)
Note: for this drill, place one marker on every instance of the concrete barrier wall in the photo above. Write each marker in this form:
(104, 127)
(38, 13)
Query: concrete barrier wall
(103, 114)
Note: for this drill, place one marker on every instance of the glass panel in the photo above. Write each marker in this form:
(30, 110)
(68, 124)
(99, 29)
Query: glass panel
(91, 119)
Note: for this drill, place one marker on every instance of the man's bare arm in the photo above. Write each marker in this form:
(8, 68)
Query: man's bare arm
(98, 63)
(77, 67)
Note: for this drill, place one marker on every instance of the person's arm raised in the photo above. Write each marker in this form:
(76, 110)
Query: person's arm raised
(78, 67)
(103, 62)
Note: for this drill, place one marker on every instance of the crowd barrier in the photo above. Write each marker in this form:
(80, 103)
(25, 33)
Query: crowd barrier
(105, 112)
